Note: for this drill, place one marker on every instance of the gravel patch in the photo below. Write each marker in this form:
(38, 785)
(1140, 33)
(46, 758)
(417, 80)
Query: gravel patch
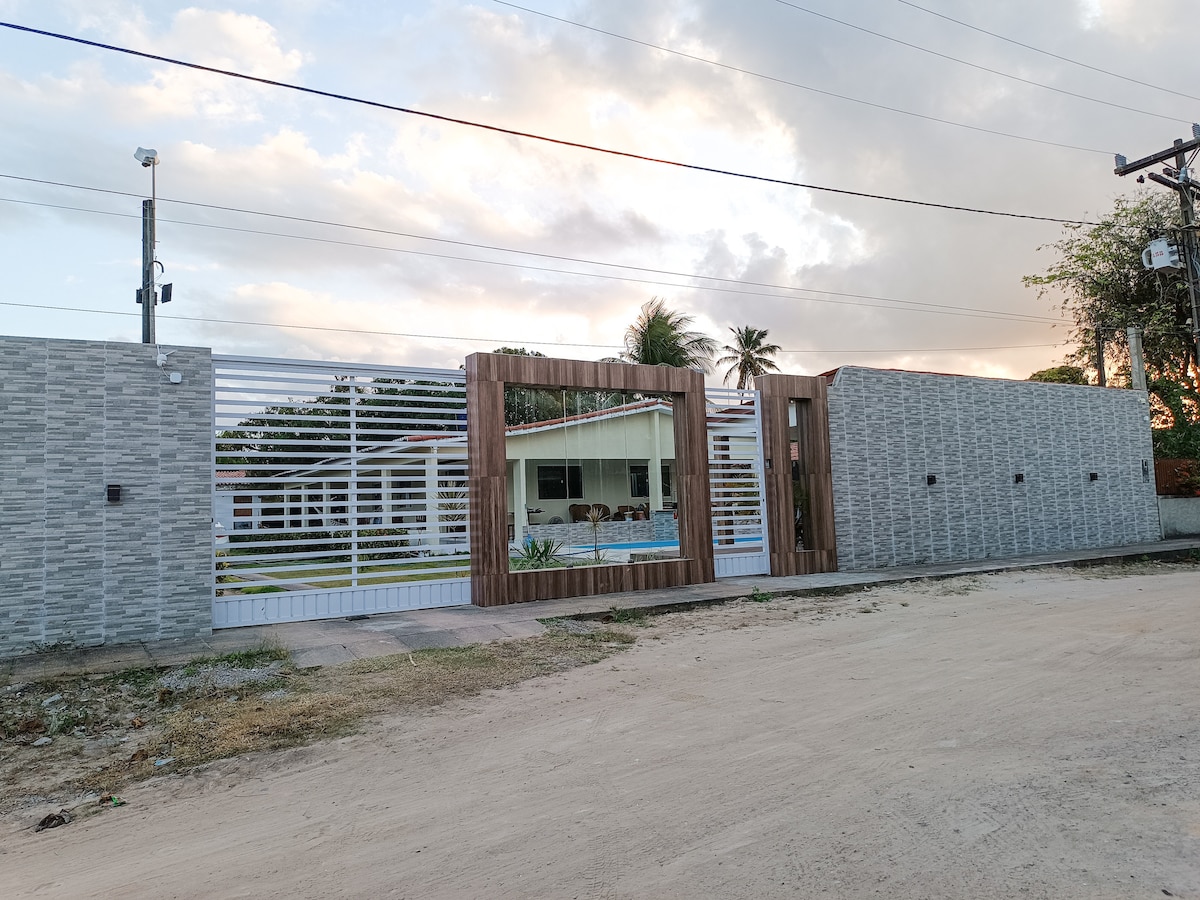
(218, 677)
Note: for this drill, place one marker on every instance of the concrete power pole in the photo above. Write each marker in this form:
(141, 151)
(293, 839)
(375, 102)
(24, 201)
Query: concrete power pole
(1178, 179)
(1137, 364)
(148, 296)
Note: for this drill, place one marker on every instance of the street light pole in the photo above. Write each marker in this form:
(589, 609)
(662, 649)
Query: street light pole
(147, 296)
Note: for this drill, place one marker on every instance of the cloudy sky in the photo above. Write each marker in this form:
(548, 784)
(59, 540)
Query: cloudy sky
(433, 240)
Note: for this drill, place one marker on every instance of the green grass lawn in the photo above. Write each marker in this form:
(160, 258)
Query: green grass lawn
(430, 568)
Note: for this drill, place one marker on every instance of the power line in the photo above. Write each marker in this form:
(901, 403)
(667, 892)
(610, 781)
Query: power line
(471, 244)
(488, 340)
(206, 320)
(963, 62)
(1065, 59)
(920, 306)
(803, 87)
(536, 137)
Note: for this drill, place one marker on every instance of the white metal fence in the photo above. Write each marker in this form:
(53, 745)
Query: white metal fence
(338, 490)
(735, 466)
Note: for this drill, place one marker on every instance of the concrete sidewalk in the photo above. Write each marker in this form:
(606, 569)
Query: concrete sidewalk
(332, 641)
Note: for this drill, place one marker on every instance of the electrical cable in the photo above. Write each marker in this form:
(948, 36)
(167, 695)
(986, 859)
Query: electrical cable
(451, 241)
(496, 129)
(1065, 59)
(919, 306)
(803, 87)
(963, 62)
(489, 340)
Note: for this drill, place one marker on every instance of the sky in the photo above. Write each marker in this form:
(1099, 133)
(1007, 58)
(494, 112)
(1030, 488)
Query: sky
(334, 230)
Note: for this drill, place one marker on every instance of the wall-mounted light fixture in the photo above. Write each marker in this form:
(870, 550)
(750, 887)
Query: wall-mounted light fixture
(931, 479)
(114, 493)
(1093, 476)
(1019, 478)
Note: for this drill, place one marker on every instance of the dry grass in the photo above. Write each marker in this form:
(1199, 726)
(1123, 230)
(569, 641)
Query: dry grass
(136, 728)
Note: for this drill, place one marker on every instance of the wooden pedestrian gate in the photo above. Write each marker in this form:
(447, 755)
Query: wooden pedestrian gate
(338, 490)
(735, 475)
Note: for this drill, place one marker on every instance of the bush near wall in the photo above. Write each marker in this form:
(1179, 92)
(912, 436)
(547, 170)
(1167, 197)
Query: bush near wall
(1177, 477)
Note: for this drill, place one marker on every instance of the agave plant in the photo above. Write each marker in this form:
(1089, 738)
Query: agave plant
(535, 554)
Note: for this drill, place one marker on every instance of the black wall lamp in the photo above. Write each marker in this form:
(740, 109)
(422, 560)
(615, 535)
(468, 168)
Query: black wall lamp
(114, 493)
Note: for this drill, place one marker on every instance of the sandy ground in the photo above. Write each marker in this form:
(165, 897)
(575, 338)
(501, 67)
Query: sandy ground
(1025, 735)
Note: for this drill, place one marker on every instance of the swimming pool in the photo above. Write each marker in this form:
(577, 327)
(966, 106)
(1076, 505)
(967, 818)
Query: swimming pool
(650, 545)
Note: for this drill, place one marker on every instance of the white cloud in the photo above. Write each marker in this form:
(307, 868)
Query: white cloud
(258, 148)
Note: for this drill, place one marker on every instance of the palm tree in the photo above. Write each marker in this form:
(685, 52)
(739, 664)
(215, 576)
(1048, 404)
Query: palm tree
(748, 356)
(660, 337)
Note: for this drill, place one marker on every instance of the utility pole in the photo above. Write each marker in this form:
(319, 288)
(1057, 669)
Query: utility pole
(1137, 364)
(147, 296)
(1178, 179)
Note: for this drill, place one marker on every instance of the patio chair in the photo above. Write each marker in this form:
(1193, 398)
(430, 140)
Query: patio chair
(577, 512)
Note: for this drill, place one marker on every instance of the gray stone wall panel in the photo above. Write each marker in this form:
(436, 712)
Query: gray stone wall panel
(890, 430)
(76, 569)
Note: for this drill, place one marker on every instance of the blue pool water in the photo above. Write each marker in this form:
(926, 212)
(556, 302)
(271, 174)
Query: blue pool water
(645, 545)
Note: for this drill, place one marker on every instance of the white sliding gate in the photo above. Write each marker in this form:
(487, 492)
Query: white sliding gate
(338, 490)
(735, 476)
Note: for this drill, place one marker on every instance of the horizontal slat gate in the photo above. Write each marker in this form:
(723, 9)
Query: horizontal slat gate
(338, 490)
(735, 466)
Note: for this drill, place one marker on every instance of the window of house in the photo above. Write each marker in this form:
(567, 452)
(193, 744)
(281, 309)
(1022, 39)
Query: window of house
(639, 481)
(273, 515)
(666, 480)
(560, 482)
(243, 512)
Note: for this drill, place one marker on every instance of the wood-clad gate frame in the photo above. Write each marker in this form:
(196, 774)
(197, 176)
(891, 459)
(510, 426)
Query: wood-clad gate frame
(492, 584)
(777, 393)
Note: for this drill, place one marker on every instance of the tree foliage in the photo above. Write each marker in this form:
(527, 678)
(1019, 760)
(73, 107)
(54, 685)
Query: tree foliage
(748, 356)
(525, 405)
(1100, 283)
(661, 337)
(1060, 375)
(290, 434)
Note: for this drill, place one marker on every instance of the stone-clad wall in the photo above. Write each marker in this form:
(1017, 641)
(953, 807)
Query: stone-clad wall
(76, 416)
(889, 430)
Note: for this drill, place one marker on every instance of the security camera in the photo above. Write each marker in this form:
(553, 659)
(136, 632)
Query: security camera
(146, 157)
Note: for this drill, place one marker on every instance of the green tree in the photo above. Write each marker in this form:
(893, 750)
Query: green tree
(660, 337)
(1060, 375)
(525, 405)
(748, 356)
(1099, 280)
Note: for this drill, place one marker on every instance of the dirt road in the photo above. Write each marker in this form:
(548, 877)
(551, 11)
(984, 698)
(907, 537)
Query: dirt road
(1026, 735)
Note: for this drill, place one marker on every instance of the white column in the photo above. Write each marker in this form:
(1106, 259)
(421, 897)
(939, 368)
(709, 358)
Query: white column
(520, 500)
(433, 515)
(656, 491)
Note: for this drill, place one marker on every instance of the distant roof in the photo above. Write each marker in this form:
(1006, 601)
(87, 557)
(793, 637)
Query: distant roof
(613, 412)
(459, 438)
